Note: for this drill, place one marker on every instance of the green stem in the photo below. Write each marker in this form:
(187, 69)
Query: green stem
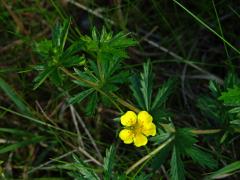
(208, 131)
(125, 103)
(95, 86)
(150, 155)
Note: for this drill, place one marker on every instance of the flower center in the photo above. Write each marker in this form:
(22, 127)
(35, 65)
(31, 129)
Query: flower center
(137, 128)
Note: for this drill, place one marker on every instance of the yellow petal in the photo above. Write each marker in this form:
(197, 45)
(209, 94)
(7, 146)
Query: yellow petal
(140, 140)
(126, 135)
(129, 118)
(144, 117)
(128, 142)
(149, 129)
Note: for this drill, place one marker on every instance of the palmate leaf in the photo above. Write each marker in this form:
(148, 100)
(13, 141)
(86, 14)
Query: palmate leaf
(231, 97)
(184, 142)
(184, 139)
(142, 88)
(106, 42)
(177, 168)
(109, 163)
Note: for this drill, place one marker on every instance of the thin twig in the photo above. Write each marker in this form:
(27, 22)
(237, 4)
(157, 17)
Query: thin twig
(76, 126)
(51, 161)
(176, 56)
(88, 134)
(89, 156)
(95, 13)
(44, 114)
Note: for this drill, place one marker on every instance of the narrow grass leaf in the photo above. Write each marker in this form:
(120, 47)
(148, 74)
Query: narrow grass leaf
(12, 94)
(226, 171)
(13, 147)
(208, 27)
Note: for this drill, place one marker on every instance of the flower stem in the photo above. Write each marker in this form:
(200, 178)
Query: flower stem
(150, 155)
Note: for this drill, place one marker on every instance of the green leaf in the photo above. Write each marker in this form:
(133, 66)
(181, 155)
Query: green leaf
(202, 158)
(16, 132)
(231, 97)
(80, 96)
(56, 78)
(215, 89)
(13, 147)
(177, 168)
(12, 94)
(143, 176)
(109, 163)
(231, 80)
(235, 122)
(134, 86)
(43, 48)
(184, 139)
(225, 172)
(72, 61)
(212, 109)
(234, 110)
(59, 35)
(163, 92)
(184, 142)
(92, 103)
(146, 84)
(42, 77)
(73, 49)
(85, 171)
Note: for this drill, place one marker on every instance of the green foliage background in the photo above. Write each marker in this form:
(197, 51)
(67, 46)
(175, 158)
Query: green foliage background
(70, 69)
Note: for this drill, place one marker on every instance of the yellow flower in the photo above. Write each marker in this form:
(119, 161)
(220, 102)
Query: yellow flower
(137, 128)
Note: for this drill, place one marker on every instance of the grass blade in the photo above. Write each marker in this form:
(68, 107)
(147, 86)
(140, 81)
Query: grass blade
(206, 26)
(12, 94)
